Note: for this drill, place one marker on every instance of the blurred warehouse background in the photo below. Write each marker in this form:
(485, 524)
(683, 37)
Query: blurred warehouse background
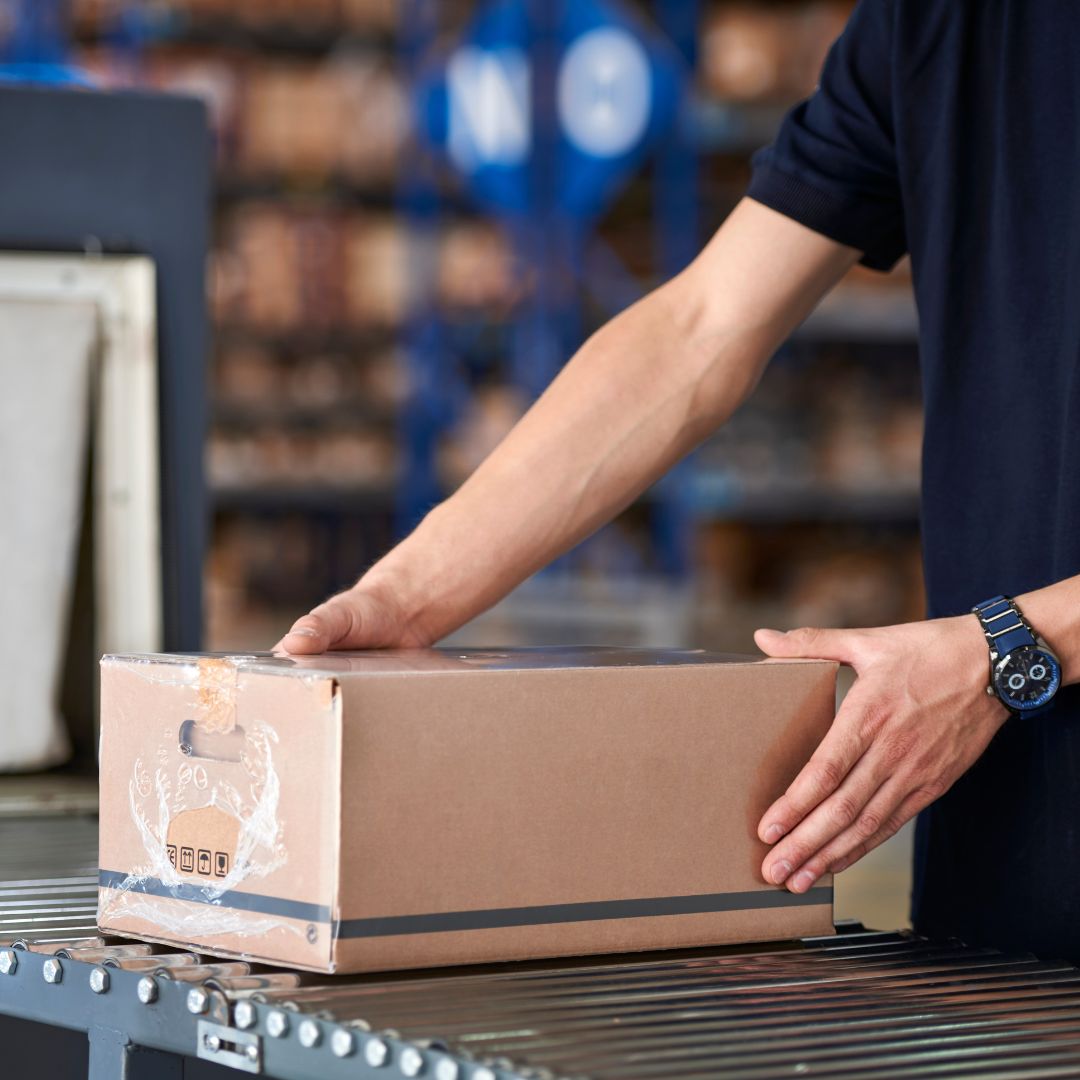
(388, 298)
(421, 208)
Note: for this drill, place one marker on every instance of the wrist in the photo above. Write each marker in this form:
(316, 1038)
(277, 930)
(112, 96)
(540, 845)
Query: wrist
(393, 590)
(426, 580)
(1052, 614)
(972, 656)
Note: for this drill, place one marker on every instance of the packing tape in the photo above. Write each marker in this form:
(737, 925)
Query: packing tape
(215, 710)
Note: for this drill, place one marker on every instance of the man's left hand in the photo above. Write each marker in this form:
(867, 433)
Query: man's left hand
(916, 719)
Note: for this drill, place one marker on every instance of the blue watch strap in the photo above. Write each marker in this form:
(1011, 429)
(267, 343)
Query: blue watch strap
(1003, 625)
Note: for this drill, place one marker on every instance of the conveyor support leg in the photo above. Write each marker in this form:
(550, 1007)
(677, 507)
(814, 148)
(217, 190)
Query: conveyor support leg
(113, 1056)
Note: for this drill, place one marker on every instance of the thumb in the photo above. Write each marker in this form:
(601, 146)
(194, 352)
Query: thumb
(336, 624)
(808, 643)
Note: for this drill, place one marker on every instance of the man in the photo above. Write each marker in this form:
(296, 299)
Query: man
(949, 129)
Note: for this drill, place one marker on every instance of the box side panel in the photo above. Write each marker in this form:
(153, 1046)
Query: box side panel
(543, 794)
(219, 808)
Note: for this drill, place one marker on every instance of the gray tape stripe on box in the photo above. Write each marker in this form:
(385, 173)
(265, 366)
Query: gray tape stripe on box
(486, 919)
(242, 901)
(593, 911)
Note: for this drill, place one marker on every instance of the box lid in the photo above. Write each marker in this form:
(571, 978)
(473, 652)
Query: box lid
(419, 661)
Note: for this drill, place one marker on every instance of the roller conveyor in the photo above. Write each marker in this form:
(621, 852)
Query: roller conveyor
(862, 1004)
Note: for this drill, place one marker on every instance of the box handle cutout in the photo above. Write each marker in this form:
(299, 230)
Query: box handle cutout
(211, 745)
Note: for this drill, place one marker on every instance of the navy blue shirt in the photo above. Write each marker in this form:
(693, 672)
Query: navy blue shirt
(950, 129)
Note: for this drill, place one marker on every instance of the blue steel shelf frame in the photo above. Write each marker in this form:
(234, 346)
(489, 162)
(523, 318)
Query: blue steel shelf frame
(549, 326)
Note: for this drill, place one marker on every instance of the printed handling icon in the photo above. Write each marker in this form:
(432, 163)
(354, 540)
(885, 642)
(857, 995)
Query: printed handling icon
(210, 863)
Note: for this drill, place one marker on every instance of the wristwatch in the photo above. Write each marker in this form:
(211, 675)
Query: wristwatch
(1024, 672)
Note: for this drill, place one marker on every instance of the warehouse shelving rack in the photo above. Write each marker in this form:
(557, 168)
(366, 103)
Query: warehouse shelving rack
(551, 239)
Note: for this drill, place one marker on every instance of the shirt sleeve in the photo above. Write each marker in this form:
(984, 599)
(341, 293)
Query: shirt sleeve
(833, 164)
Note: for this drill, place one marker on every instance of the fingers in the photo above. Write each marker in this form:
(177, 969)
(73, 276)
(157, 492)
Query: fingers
(849, 849)
(846, 808)
(333, 625)
(843, 746)
(884, 816)
(811, 643)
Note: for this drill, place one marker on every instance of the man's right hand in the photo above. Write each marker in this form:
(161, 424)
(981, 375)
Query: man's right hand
(363, 617)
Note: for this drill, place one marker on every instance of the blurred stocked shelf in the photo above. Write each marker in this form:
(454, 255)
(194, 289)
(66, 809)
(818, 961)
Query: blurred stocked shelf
(332, 190)
(304, 340)
(280, 269)
(266, 25)
(278, 499)
(720, 496)
(281, 460)
(293, 40)
(767, 52)
(803, 508)
(342, 414)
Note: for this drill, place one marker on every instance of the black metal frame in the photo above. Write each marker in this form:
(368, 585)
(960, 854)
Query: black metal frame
(135, 1039)
(130, 173)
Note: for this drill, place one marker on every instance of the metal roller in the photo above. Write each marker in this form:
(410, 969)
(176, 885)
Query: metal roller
(235, 986)
(100, 953)
(201, 973)
(155, 962)
(54, 947)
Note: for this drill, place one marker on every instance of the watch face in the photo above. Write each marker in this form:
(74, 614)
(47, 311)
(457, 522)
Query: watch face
(1027, 678)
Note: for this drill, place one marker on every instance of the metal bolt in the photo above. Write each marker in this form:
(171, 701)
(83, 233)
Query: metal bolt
(483, 1073)
(147, 990)
(252, 1052)
(9, 961)
(412, 1061)
(52, 971)
(376, 1053)
(99, 980)
(342, 1043)
(310, 1034)
(244, 1015)
(212, 1043)
(447, 1070)
(198, 1000)
(277, 1024)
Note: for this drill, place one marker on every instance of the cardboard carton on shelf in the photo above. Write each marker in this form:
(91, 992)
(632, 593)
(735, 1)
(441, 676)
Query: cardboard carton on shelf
(373, 811)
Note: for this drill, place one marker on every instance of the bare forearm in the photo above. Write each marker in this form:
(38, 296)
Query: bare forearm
(627, 406)
(638, 396)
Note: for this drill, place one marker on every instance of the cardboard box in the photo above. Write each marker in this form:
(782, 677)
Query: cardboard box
(370, 811)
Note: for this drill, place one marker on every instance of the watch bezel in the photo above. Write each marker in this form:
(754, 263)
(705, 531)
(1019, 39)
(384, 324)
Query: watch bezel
(1044, 699)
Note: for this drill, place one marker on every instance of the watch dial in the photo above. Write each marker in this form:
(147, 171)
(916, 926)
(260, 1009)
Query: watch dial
(1027, 678)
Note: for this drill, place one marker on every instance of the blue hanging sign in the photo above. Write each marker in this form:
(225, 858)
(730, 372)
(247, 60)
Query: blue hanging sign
(616, 88)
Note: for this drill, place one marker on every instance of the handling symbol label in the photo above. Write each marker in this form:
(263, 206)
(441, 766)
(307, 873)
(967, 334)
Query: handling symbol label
(204, 840)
